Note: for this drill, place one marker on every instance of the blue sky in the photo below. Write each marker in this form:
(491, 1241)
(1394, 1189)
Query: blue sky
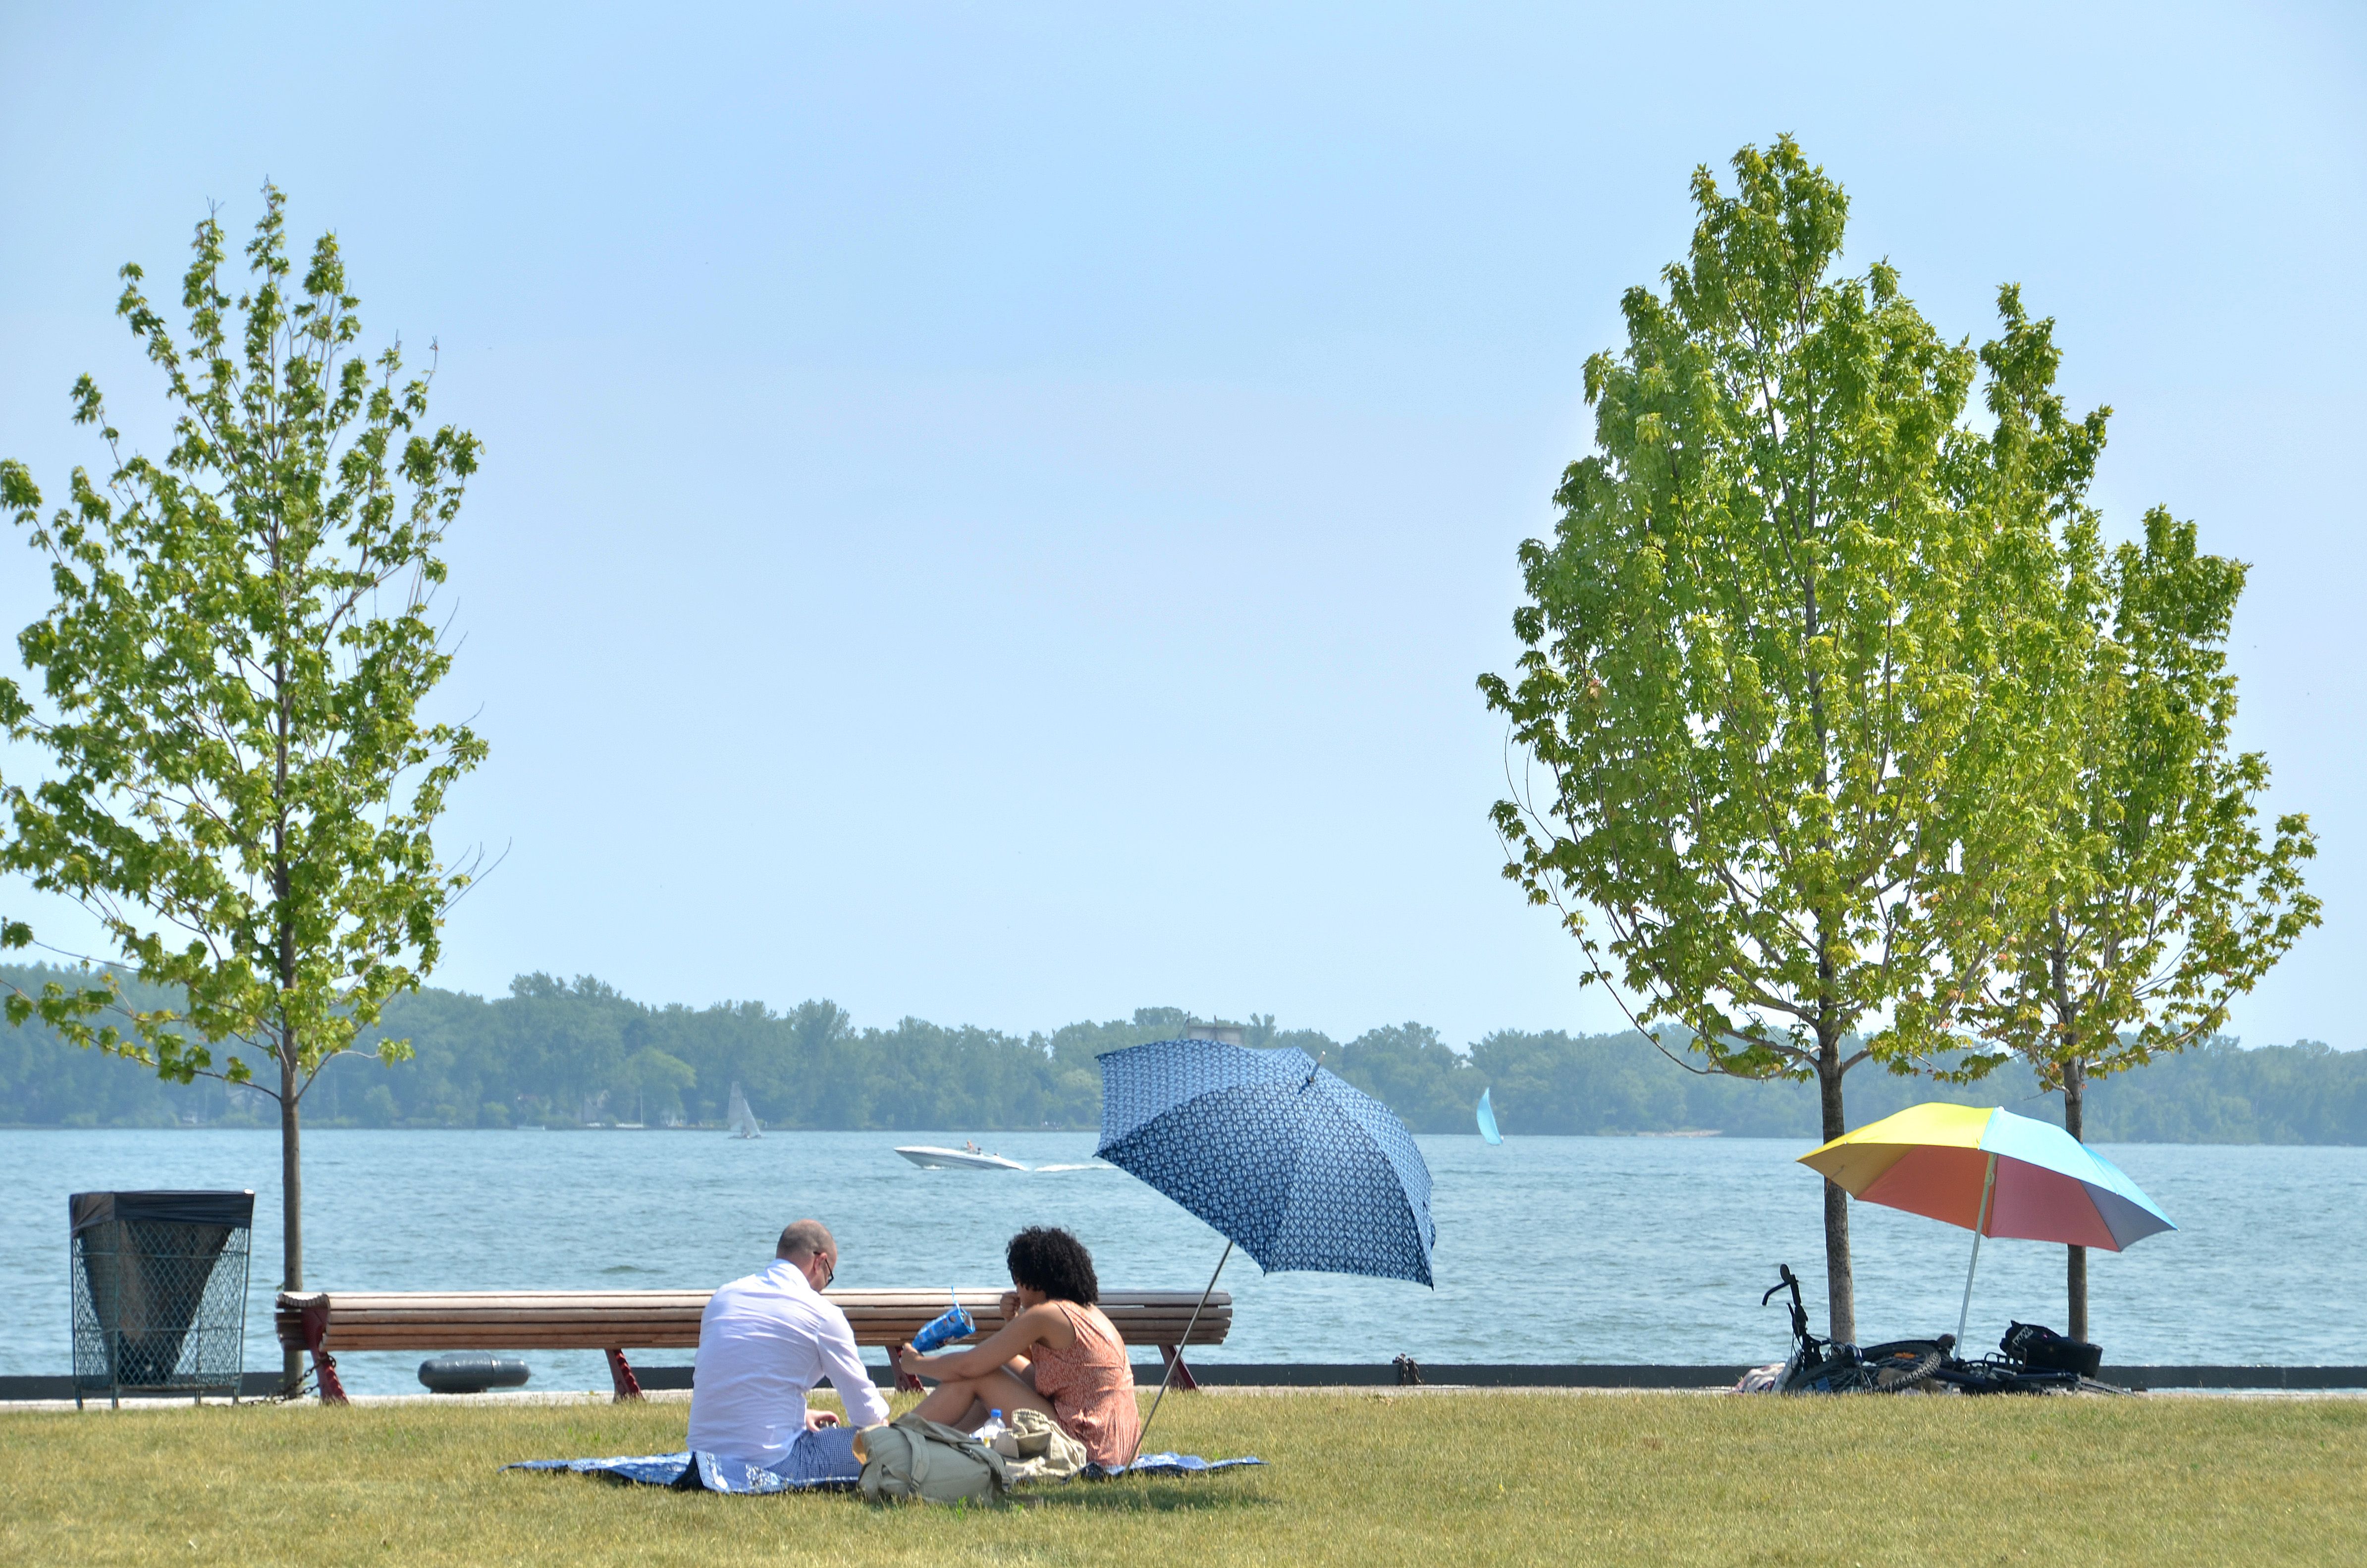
(993, 513)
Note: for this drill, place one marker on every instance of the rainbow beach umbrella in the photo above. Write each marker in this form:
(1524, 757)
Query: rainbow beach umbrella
(1993, 1173)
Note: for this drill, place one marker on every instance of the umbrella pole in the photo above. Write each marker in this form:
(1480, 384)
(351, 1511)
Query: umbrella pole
(1177, 1357)
(1988, 1184)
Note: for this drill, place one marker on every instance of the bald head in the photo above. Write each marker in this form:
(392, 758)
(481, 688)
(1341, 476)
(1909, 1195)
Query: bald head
(805, 1238)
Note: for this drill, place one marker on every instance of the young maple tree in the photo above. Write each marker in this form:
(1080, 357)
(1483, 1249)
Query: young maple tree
(1772, 678)
(240, 787)
(2159, 899)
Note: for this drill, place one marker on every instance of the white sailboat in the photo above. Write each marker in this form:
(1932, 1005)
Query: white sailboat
(743, 1120)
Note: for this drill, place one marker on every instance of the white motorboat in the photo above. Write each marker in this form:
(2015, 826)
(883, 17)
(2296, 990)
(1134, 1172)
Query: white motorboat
(969, 1158)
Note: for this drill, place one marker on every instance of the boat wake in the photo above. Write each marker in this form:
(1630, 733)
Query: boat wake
(972, 1158)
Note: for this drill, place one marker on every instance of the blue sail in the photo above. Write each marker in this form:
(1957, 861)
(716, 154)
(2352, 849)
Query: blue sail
(1488, 1119)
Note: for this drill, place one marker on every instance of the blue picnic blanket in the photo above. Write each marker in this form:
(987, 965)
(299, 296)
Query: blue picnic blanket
(690, 1472)
(695, 1471)
(1165, 1464)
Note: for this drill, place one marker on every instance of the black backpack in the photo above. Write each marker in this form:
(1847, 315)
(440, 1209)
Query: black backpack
(2043, 1350)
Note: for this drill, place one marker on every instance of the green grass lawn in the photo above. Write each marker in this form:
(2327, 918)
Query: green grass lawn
(1363, 1478)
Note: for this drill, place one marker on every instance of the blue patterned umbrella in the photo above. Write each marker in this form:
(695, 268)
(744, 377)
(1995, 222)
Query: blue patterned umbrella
(1296, 1168)
(1286, 1159)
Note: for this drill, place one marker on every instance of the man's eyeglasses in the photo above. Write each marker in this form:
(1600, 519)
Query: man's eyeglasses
(829, 1271)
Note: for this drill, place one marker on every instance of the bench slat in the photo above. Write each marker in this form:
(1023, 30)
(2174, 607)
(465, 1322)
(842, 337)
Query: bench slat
(619, 1333)
(499, 1320)
(591, 1315)
(495, 1337)
(932, 1301)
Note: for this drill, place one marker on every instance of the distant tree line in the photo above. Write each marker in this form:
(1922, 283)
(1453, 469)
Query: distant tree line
(569, 1053)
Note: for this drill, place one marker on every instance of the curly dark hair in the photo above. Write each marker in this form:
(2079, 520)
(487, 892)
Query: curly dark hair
(1046, 1258)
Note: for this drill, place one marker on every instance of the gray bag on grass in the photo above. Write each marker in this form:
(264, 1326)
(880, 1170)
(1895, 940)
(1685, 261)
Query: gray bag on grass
(1035, 1448)
(912, 1459)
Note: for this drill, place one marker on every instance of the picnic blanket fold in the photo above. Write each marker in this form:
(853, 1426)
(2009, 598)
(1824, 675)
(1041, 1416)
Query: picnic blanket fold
(1165, 1464)
(692, 1471)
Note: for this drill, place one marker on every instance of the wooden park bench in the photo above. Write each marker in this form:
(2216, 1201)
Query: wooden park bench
(326, 1321)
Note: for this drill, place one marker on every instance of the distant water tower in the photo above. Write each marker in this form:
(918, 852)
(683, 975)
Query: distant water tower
(1222, 1033)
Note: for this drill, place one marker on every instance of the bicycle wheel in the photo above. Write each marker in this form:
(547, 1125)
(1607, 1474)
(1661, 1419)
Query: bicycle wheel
(1856, 1373)
(1818, 1374)
(1903, 1361)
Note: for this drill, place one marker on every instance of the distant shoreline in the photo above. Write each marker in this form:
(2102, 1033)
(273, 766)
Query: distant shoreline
(578, 1053)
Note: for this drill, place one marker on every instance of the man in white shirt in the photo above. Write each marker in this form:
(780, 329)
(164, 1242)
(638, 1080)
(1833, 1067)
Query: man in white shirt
(763, 1342)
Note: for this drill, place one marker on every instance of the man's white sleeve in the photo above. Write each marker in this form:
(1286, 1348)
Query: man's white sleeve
(843, 1365)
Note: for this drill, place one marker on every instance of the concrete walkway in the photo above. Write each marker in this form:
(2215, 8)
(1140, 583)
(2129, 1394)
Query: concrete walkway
(1232, 1391)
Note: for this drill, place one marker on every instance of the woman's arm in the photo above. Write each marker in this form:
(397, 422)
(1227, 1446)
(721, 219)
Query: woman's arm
(1045, 1325)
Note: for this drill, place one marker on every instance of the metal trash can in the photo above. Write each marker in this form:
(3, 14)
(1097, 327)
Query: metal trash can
(160, 1292)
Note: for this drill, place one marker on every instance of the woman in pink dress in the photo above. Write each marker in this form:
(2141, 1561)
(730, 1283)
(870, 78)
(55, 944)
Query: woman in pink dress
(1055, 1352)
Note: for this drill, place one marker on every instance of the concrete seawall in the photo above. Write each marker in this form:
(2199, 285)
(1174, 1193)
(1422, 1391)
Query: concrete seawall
(1350, 1374)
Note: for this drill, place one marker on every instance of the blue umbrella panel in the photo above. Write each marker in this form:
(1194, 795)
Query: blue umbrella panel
(1300, 1169)
(1296, 1168)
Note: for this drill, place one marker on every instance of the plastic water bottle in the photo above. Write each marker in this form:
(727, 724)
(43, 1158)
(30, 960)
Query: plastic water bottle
(992, 1430)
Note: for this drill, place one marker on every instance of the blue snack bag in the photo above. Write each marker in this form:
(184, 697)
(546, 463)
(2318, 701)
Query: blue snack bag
(942, 1329)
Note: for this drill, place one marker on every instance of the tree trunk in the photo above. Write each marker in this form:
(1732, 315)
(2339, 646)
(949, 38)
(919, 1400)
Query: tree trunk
(291, 1168)
(1840, 1290)
(2075, 1084)
(291, 1210)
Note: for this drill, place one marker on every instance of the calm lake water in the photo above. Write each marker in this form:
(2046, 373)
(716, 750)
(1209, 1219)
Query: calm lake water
(1549, 1249)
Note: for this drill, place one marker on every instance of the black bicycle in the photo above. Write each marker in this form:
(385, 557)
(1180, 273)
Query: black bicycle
(1819, 1366)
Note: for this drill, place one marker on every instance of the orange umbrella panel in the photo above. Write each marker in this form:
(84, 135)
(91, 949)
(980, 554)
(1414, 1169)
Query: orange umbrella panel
(2029, 1203)
(1939, 1184)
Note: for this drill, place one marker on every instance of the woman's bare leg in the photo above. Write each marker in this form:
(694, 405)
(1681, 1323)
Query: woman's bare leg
(964, 1402)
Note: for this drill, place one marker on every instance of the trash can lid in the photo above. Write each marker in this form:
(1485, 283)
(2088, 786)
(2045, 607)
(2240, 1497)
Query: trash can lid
(87, 1209)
